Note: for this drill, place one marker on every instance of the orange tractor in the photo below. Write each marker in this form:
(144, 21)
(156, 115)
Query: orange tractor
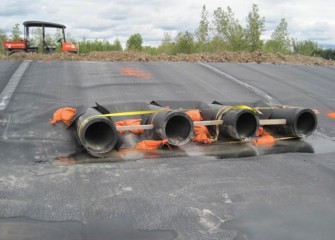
(25, 46)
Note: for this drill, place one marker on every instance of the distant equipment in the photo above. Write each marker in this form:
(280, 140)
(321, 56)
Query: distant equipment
(25, 46)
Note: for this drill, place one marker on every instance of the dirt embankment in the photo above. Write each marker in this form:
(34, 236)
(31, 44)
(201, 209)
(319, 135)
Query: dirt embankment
(234, 57)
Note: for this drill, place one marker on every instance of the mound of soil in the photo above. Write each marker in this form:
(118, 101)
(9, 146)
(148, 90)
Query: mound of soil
(234, 57)
(2, 57)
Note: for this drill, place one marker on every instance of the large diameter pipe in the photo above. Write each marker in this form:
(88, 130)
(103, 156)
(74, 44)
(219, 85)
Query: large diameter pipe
(96, 133)
(237, 123)
(175, 126)
(300, 122)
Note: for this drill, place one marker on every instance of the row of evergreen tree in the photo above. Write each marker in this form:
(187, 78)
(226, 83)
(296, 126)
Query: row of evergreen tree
(222, 32)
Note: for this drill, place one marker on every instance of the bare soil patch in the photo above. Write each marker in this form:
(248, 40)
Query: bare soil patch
(233, 57)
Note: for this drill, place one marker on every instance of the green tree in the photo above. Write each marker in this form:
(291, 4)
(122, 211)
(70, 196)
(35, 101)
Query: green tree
(86, 46)
(306, 47)
(97, 45)
(167, 46)
(16, 33)
(70, 39)
(280, 40)
(228, 28)
(184, 42)
(50, 41)
(35, 38)
(150, 50)
(58, 36)
(217, 44)
(117, 45)
(83, 45)
(255, 28)
(202, 32)
(328, 54)
(135, 42)
(3, 38)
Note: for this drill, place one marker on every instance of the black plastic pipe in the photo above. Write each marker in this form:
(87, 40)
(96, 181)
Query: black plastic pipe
(300, 122)
(175, 126)
(96, 133)
(237, 123)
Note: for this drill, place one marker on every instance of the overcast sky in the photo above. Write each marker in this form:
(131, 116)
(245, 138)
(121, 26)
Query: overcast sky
(111, 19)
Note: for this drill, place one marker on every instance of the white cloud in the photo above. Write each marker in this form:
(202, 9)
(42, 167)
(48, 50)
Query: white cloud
(111, 19)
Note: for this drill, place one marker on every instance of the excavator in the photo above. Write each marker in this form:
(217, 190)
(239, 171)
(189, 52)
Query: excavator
(24, 45)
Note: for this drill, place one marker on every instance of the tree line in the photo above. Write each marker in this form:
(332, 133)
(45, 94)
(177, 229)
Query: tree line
(222, 32)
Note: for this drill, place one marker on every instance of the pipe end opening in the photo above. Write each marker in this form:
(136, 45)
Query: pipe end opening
(306, 123)
(100, 136)
(246, 125)
(179, 129)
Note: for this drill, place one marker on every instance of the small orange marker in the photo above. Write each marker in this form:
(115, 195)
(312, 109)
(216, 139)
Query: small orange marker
(129, 71)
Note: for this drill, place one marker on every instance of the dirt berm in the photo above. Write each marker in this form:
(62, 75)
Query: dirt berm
(235, 57)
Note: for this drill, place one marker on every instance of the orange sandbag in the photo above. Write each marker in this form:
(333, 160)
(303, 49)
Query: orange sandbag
(150, 144)
(194, 115)
(130, 122)
(64, 115)
(260, 132)
(201, 135)
(265, 138)
(202, 138)
(201, 129)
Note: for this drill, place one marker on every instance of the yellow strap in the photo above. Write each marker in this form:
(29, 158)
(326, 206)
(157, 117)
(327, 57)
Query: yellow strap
(120, 114)
(244, 107)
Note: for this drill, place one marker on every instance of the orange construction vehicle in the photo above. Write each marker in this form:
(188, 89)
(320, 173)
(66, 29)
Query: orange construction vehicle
(25, 46)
